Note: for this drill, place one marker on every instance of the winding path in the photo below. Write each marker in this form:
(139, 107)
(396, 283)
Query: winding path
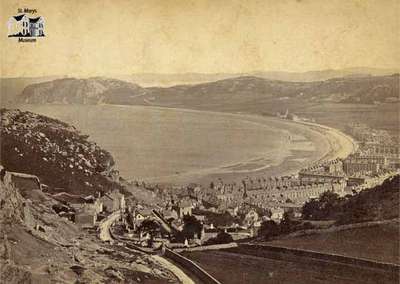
(105, 234)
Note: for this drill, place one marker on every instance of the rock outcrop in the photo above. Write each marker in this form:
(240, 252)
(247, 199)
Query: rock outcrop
(56, 152)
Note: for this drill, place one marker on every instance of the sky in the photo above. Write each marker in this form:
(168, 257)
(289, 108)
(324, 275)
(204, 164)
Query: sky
(106, 37)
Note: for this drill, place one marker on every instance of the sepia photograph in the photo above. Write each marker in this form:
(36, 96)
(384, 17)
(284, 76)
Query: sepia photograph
(200, 141)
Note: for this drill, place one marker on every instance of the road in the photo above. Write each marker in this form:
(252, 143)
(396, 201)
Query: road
(105, 235)
(105, 225)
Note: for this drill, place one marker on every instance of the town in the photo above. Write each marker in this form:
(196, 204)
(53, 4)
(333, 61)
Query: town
(211, 142)
(196, 215)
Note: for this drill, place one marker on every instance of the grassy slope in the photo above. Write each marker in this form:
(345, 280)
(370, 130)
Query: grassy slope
(380, 242)
(236, 268)
(379, 203)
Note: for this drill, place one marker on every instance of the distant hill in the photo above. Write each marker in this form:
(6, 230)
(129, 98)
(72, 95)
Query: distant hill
(232, 91)
(81, 91)
(11, 88)
(56, 152)
(321, 75)
(357, 89)
(165, 80)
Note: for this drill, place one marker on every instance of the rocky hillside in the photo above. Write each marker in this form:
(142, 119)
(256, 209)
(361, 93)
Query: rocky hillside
(56, 152)
(32, 235)
(367, 90)
(38, 246)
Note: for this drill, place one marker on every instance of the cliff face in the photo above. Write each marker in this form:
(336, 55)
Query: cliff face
(30, 231)
(54, 151)
(11, 205)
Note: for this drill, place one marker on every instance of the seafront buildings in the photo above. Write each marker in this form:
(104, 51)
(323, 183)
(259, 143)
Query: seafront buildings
(375, 159)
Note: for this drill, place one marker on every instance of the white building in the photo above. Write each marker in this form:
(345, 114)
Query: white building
(18, 25)
(22, 25)
(36, 26)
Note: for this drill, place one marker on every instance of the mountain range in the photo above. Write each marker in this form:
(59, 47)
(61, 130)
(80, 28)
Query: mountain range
(238, 90)
(167, 80)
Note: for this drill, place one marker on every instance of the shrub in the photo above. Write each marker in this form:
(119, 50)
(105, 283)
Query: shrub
(221, 238)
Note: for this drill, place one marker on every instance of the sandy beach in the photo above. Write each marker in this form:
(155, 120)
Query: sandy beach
(341, 144)
(329, 144)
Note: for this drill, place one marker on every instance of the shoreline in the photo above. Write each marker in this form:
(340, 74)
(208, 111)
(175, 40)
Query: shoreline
(341, 153)
(341, 145)
(312, 143)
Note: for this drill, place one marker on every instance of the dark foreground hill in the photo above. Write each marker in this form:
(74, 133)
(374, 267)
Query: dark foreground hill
(330, 212)
(56, 152)
(231, 91)
(379, 203)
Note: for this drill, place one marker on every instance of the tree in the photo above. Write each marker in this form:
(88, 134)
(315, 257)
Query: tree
(287, 224)
(212, 185)
(269, 229)
(311, 209)
(324, 208)
(191, 227)
(149, 226)
(221, 238)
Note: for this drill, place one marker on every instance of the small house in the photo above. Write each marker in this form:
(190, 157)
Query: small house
(142, 214)
(85, 217)
(252, 215)
(18, 25)
(183, 208)
(201, 218)
(233, 211)
(209, 232)
(277, 214)
(36, 26)
(170, 214)
(113, 201)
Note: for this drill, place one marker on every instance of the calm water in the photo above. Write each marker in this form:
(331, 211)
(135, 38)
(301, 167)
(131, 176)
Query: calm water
(166, 144)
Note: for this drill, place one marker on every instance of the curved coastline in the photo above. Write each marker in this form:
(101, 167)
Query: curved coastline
(345, 144)
(341, 145)
(305, 144)
(348, 144)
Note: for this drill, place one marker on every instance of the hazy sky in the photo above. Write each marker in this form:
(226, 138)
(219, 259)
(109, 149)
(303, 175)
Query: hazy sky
(89, 38)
